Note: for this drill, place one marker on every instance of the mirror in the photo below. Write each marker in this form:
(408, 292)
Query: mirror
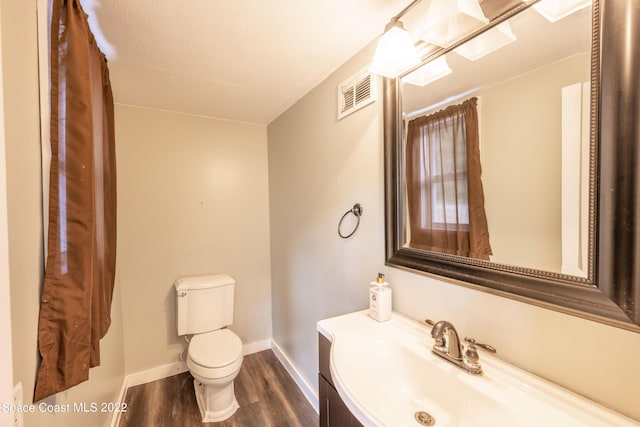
(533, 100)
(557, 164)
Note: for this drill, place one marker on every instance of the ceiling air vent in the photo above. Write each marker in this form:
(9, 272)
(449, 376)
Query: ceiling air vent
(356, 92)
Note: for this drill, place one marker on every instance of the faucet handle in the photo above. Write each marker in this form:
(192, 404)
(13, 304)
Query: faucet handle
(487, 347)
(471, 356)
(439, 341)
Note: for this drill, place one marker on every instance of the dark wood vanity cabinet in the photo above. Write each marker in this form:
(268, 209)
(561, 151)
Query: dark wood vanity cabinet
(333, 411)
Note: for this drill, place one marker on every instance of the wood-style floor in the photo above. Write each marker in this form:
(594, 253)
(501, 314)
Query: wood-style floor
(267, 395)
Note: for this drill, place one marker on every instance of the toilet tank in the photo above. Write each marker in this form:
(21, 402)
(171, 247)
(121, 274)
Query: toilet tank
(204, 303)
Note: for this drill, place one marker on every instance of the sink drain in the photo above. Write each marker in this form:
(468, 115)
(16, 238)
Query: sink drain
(424, 418)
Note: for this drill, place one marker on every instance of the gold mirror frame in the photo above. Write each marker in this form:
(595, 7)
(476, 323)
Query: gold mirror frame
(611, 292)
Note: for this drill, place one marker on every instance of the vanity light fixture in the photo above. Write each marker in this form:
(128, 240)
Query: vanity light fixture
(428, 73)
(395, 52)
(447, 22)
(450, 20)
(487, 42)
(555, 10)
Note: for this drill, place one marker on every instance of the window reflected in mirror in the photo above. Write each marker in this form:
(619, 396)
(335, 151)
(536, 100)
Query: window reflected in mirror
(444, 198)
(532, 98)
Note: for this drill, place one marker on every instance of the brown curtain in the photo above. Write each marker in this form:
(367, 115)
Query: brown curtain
(444, 190)
(75, 309)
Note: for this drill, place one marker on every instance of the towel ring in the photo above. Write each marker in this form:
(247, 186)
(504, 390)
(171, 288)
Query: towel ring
(357, 211)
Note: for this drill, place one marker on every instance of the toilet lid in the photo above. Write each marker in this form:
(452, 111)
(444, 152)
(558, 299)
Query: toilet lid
(215, 349)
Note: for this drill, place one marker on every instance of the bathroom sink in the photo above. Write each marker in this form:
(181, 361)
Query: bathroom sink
(386, 373)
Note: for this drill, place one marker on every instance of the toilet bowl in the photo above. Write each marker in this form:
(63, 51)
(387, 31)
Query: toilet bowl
(214, 360)
(214, 356)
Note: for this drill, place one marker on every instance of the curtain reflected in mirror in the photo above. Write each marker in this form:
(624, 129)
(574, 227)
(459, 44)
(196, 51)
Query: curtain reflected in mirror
(533, 146)
(559, 177)
(445, 201)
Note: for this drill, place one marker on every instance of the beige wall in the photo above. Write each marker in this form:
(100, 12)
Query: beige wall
(521, 138)
(193, 199)
(24, 200)
(318, 167)
(6, 359)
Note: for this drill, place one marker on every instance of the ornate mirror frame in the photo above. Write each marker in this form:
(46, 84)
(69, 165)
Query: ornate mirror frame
(611, 293)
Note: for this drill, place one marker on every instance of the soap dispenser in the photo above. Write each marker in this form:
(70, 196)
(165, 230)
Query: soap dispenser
(380, 299)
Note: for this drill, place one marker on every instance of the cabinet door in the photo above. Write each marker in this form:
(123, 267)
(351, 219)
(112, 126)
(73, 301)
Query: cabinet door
(333, 411)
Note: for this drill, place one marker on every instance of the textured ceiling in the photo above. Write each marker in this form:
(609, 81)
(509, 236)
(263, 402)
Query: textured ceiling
(245, 60)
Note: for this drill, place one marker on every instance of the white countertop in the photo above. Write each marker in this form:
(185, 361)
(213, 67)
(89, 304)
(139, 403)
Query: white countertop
(385, 372)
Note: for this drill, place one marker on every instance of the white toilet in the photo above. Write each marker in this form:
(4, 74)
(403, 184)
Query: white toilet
(204, 309)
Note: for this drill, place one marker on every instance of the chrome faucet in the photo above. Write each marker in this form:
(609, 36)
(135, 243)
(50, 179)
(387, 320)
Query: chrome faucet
(446, 340)
(447, 345)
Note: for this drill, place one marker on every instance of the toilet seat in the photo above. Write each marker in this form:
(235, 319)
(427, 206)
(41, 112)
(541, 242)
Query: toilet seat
(215, 354)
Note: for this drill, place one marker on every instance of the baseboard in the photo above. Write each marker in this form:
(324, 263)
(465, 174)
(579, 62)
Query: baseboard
(146, 376)
(164, 371)
(115, 418)
(306, 388)
(176, 368)
(157, 373)
(256, 346)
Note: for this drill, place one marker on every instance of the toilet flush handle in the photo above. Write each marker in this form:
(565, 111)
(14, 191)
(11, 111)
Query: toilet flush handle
(182, 293)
